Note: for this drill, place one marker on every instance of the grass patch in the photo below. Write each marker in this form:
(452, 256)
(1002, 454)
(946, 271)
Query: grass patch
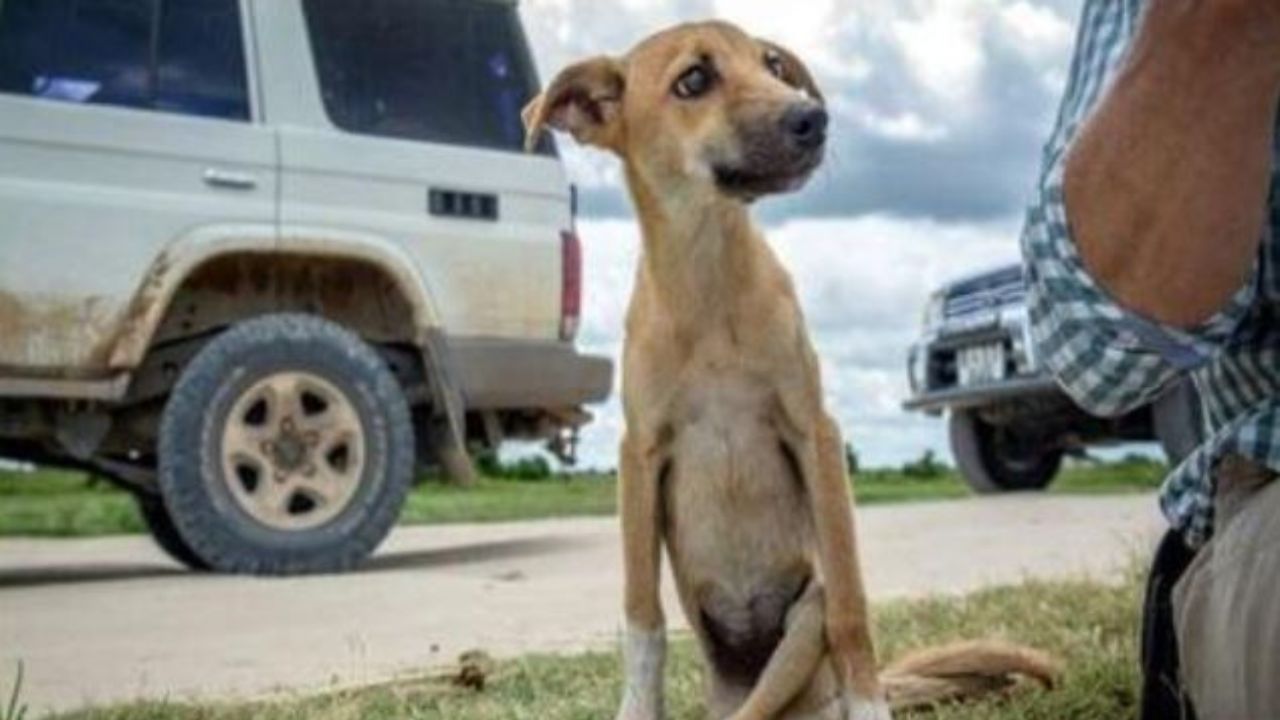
(1093, 628)
(56, 503)
(498, 500)
(1126, 476)
(52, 503)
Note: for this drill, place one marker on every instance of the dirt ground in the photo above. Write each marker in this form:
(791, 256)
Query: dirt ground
(111, 619)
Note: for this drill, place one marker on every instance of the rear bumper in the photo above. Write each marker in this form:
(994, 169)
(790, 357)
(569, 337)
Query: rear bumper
(495, 374)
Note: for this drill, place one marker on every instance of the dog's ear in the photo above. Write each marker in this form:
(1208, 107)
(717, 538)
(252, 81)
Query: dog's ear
(794, 72)
(585, 100)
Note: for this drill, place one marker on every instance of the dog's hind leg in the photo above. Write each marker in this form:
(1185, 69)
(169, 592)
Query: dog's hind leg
(794, 663)
(819, 455)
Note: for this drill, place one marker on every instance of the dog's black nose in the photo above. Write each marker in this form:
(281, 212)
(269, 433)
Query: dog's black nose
(806, 125)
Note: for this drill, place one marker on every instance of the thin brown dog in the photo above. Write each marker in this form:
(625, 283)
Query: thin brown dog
(729, 456)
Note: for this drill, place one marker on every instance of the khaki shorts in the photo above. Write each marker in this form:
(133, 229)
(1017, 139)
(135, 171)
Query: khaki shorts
(1227, 605)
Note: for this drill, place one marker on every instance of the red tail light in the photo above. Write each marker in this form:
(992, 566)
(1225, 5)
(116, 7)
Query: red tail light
(570, 284)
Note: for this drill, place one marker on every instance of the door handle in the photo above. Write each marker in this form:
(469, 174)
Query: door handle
(215, 177)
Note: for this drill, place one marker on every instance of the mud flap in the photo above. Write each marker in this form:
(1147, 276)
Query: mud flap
(449, 420)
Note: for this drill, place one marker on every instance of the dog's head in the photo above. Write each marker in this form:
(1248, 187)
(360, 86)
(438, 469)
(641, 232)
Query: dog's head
(698, 108)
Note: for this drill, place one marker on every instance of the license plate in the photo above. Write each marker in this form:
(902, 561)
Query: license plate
(980, 364)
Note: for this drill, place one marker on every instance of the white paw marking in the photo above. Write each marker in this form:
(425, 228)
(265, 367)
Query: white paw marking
(867, 709)
(646, 654)
(636, 711)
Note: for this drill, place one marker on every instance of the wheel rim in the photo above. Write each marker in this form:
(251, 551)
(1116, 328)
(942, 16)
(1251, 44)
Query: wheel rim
(293, 451)
(1015, 454)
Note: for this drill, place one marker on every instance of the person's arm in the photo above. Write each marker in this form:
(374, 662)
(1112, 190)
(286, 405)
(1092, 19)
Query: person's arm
(1166, 185)
(1109, 356)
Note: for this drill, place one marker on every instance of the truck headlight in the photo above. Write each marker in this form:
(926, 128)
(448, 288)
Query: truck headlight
(915, 370)
(933, 310)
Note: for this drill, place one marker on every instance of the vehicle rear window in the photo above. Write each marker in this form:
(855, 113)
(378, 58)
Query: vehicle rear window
(180, 56)
(449, 71)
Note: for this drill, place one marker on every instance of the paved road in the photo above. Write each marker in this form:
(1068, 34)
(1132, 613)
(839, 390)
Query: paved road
(109, 619)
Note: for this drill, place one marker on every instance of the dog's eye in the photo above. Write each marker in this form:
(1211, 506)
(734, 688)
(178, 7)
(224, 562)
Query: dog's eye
(773, 61)
(695, 82)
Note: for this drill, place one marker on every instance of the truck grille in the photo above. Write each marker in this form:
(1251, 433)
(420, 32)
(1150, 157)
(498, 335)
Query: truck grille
(985, 293)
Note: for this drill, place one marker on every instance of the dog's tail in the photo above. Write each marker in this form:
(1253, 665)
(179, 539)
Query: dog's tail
(964, 671)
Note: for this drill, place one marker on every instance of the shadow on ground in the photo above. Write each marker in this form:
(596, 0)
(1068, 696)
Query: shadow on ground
(460, 555)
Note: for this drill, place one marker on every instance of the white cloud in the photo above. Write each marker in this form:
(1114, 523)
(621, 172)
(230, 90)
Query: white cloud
(1039, 30)
(790, 28)
(942, 47)
(591, 168)
(906, 126)
(1040, 35)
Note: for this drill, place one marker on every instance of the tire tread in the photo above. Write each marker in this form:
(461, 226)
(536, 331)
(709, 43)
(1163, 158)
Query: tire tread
(195, 517)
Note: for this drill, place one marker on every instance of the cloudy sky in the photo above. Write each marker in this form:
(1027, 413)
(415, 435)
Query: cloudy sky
(940, 108)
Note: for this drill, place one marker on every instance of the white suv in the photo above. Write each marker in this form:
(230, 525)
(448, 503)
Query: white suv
(260, 258)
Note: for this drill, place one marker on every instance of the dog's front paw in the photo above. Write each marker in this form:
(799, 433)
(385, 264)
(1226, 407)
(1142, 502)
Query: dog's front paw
(634, 708)
(860, 708)
(646, 653)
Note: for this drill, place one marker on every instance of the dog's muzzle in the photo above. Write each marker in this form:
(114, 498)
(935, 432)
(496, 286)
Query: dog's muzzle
(775, 156)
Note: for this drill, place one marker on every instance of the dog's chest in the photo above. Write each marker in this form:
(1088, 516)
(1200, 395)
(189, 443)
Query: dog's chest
(720, 406)
(735, 504)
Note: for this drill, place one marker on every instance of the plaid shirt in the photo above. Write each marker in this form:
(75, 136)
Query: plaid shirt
(1111, 360)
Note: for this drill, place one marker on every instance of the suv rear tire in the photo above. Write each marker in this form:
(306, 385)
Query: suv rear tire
(285, 448)
(993, 458)
(165, 533)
